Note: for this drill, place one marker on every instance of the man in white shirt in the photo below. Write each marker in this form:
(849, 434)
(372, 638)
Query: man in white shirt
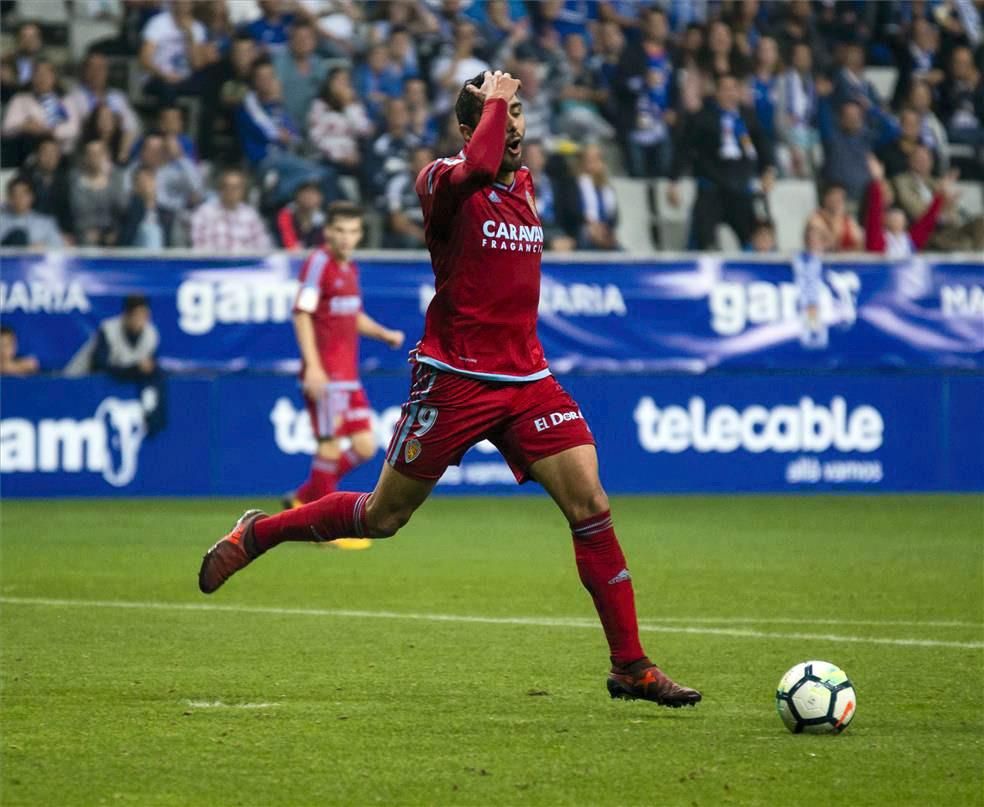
(173, 49)
(227, 223)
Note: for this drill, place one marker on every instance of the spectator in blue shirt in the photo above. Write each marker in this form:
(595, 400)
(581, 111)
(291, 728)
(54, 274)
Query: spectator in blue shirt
(376, 80)
(271, 31)
(765, 85)
(269, 138)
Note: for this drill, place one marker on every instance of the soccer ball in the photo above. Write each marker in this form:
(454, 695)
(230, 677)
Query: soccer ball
(816, 697)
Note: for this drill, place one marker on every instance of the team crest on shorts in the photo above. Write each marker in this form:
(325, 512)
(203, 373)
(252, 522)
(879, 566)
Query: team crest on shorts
(412, 450)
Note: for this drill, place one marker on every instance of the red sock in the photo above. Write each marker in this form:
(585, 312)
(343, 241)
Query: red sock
(350, 459)
(322, 480)
(601, 565)
(337, 515)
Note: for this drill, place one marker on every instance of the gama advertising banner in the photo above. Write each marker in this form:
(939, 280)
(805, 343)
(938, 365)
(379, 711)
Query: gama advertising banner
(250, 434)
(687, 315)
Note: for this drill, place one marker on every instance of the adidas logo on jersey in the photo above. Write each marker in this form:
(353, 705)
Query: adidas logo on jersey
(494, 197)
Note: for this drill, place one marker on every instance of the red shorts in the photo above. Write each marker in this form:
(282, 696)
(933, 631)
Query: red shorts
(342, 409)
(448, 413)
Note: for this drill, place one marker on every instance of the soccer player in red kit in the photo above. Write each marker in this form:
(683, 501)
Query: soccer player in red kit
(479, 372)
(328, 321)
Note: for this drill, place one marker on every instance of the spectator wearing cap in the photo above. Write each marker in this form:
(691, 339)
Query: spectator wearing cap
(39, 112)
(301, 223)
(796, 112)
(728, 151)
(146, 224)
(269, 138)
(47, 172)
(404, 223)
(225, 223)
(21, 225)
(11, 362)
(390, 152)
(93, 91)
(97, 197)
(915, 191)
(338, 123)
(18, 66)
(599, 204)
(300, 70)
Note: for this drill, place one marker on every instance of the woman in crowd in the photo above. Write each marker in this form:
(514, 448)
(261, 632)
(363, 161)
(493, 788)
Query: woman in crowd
(338, 123)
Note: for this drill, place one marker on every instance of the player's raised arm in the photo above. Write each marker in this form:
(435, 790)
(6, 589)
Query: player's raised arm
(486, 122)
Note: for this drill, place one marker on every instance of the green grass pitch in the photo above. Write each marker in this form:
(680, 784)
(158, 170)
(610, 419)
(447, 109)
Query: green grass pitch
(318, 676)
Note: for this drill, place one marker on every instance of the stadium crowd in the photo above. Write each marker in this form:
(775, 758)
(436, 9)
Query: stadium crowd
(242, 119)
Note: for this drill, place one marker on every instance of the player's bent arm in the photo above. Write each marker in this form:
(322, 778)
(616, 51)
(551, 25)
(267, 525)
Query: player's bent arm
(483, 155)
(371, 329)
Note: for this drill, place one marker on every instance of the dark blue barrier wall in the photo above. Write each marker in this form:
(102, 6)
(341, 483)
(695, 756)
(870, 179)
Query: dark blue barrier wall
(248, 434)
(686, 315)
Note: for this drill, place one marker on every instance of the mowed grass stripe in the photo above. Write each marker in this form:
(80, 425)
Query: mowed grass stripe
(546, 622)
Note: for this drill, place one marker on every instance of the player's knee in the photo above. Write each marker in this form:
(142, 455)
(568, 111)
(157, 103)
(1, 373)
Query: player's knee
(589, 505)
(386, 523)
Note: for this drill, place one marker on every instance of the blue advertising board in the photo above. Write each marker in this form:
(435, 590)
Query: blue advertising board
(250, 434)
(680, 315)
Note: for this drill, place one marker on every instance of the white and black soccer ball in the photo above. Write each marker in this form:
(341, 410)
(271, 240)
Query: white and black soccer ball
(816, 697)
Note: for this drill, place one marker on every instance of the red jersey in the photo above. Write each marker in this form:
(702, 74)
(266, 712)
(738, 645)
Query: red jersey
(330, 293)
(485, 242)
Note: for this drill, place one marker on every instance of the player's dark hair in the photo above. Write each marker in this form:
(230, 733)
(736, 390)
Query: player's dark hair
(343, 210)
(134, 301)
(6, 330)
(468, 107)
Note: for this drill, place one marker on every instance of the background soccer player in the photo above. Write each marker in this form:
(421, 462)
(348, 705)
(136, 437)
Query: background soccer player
(328, 320)
(479, 373)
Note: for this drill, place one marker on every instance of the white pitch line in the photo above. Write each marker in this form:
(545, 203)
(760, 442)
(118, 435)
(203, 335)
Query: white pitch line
(223, 705)
(758, 620)
(546, 622)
